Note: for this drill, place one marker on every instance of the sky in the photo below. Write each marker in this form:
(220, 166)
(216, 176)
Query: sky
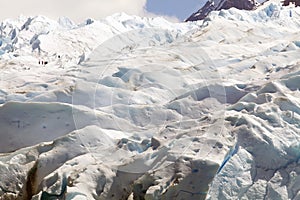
(180, 9)
(79, 10)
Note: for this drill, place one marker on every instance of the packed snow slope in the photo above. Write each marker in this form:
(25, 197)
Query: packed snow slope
(140, 108)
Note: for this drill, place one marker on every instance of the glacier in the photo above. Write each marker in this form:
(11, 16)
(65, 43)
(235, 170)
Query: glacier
(141, 108)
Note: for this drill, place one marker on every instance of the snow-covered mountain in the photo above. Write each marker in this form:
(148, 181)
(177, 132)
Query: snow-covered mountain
(43, 38)
(215, 5)
(142, 108)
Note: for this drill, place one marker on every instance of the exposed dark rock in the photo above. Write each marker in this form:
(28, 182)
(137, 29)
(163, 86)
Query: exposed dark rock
(213, 5)
(155, 143)
(287, 2)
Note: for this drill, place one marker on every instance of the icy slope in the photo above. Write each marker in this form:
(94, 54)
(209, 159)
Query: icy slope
(206, 110)
(63, 40)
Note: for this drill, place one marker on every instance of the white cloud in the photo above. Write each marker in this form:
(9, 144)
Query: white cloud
(77, 10)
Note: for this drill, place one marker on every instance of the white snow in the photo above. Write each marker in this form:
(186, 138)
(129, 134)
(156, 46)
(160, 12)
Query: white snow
(155, 110)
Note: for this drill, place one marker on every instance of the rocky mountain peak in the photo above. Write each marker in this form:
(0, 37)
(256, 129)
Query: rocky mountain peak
(213, 5)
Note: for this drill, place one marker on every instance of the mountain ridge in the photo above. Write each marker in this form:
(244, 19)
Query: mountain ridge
(215, 5)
